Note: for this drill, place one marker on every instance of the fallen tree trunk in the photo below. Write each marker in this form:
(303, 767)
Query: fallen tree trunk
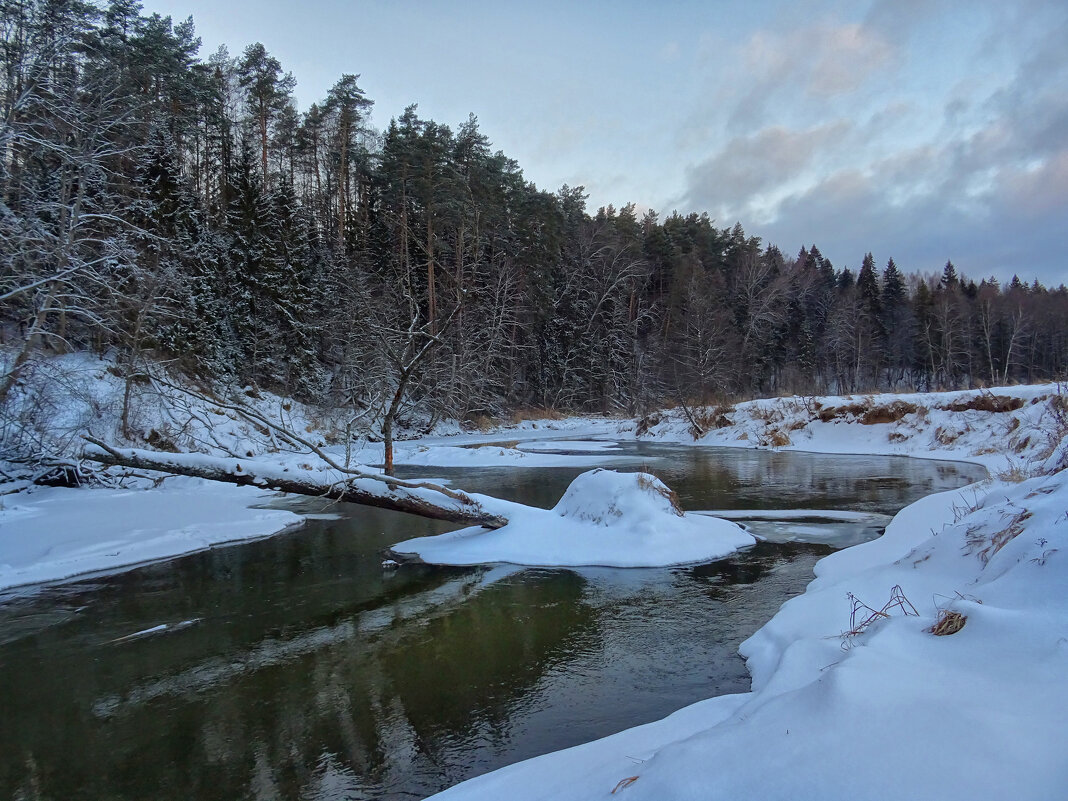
(423, 499)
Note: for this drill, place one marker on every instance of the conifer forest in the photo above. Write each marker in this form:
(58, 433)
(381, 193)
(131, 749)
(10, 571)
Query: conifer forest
(162, 206)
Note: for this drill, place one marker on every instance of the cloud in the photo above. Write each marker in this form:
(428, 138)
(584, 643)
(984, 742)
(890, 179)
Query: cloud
(733, 180)
(1019, 229)
(670, 52)
(803, 69)
(846, 55)
(962, 155)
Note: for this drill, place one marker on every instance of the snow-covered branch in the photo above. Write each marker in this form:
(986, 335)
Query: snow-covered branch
(425, 500)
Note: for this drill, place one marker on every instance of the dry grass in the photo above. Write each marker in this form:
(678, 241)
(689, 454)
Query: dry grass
(985, 402)
(650, 483)
(768, 414)
(1015, 472)
(862, 616)
(647, 423)
(623, 784)
(710, 417)
(486, 423)
(1057, 429)
(949, 622)
(535, 413)
(985, 546)
(778, 439)
(161, 442)
(889, 413)
(866, 411)
(828, 413)
(946, 436)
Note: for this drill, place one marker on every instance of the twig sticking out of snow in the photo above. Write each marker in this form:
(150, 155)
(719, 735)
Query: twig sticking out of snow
(897, 601)
(624, 784)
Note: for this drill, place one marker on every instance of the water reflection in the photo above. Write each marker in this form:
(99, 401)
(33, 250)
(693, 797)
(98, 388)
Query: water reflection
(311, 672)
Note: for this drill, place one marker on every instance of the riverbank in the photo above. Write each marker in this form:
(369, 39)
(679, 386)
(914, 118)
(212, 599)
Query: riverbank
(51, 534)
(926, 664)
(54, 533)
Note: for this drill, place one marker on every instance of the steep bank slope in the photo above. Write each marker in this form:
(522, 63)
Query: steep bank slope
(1005, 429)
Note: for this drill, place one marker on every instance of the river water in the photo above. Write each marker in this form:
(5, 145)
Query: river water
(298, 667)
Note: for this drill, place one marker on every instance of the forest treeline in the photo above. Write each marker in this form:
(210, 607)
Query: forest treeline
(156, 205)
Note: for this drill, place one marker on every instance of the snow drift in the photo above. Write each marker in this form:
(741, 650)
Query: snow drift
(604, 518)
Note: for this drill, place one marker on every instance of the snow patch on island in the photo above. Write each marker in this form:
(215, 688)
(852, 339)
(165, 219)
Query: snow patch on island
(604, 518)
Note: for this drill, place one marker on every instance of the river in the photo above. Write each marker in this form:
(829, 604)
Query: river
(298, 667)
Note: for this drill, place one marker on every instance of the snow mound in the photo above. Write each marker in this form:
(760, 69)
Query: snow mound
(604, 518)
(606, 498)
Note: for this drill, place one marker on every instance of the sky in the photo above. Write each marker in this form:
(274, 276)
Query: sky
(925, 130)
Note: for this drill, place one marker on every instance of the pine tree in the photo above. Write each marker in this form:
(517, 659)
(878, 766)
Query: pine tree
(267, 91)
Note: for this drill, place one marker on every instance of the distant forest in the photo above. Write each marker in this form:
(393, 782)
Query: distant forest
(156, 206)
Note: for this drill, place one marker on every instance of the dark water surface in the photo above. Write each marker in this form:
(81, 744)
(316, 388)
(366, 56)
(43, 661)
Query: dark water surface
(298, 668)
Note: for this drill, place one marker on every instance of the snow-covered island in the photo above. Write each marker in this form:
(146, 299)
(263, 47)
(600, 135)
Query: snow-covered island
(605, 518)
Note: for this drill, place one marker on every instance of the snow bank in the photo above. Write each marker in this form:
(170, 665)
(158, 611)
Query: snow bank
(1000, 429)
(604, 518)
(49, 534)
(892, 710)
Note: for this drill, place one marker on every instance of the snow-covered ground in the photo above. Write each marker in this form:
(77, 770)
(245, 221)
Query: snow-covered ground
(605, 519)
(55, 533)
(1001, 429)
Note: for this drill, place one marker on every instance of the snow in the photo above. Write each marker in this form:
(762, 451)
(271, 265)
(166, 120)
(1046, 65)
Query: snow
(927, 426)
(494, 456)
(53, 533)
(605, 519)
(575, 446)
(891, 711)
(841, 515)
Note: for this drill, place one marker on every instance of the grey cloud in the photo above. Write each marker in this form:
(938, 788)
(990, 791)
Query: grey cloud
(847, 218)
(749, 165)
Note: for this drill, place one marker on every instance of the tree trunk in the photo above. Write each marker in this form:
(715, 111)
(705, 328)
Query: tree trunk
(387, 424)
(28, 347)
(263, 142)
(432, 301)
(343, 182)
(425, 500)
(387, 444)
